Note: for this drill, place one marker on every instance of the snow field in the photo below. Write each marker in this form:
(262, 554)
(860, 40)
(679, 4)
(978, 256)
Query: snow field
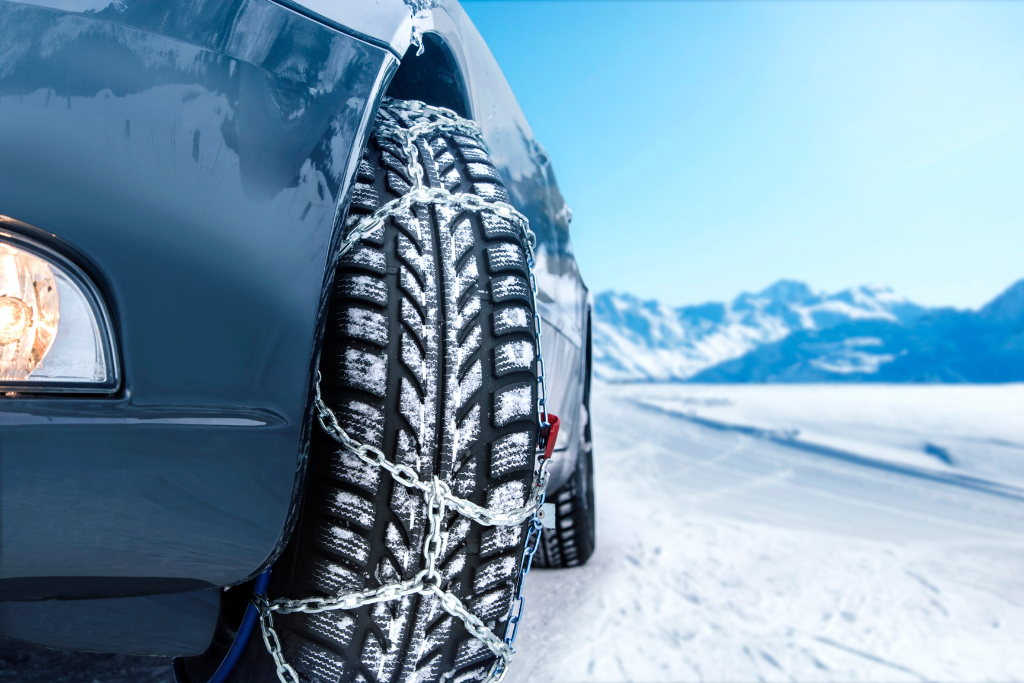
(978, 427)
(726, 556)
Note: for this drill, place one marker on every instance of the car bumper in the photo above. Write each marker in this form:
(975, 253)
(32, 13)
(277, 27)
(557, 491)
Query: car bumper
(194, 166)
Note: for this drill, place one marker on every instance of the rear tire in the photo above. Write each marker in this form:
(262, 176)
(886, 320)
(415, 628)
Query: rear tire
(428, 355)
(572, 541)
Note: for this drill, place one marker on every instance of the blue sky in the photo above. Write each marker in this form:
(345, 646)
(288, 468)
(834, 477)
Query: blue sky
(708, 148)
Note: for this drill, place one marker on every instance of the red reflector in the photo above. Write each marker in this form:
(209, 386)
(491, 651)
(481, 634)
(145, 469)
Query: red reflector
(548, 435)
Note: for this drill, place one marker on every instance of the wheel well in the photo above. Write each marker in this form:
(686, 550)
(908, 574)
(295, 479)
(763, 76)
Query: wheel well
(433, 77)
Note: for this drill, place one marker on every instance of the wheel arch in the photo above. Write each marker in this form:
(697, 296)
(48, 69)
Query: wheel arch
(433, 77)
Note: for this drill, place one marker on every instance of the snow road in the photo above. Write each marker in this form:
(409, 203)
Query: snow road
(775, 533)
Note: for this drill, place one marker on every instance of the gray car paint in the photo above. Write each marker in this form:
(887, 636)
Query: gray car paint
(194, 161)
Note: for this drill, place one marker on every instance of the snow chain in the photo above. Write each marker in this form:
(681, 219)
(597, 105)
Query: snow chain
(436, 494)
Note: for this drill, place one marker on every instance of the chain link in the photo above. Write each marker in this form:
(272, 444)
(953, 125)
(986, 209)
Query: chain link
(437, 494)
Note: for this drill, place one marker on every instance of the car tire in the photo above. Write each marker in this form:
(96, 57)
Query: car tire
(428, 354)
(571, 542)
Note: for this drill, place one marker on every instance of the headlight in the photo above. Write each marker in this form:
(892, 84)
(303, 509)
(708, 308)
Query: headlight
(54, 330)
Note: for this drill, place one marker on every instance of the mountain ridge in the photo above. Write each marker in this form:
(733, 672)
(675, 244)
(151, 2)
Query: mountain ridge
(790, 333)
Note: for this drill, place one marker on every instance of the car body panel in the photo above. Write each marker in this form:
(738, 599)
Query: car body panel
(526, 170)
(204, 190)
(169, 625)
(195, 159)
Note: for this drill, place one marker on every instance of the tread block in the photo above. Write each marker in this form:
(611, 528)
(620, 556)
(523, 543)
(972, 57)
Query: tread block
(462, 237)
(498, 539)
(482, 171)
(445, 160)
(477, 675)
(511, 319)
(350, 469)
(409, 223)
(468, 433)
(331, 578)
(464, 482)
(362, 257)
(469, 385)
(491, 191)
(418, 263)
(413, 359)
(336, 626)
(410, 511)
(374, 235)
(506, 256)
(365, 170)
(361, 369)
(342, 542)
(391, 155)
(473, 153)
(437, 145)
(453, 565)
(412, 318)
(397, 185)
(360, 323)
(510, 288)
(347, 506)
(494, 573)
(469, 346)
(466, 278)
(511, 453)
(386, 572)
(457, 532)
(464, 141)
(470, 652)
(496, 227)
(451, 180)
(410, 286)
(448, 216)
(379, 657)
(418, 412)
(513, 356)
(442, 629)
(507, 497)
(362, 421)
(393, 161)
(513, 402)
(310, 656)
(407, 453)
(362, 287)
(407, 556)
(493, 606)
(365, 197)
(468, 313)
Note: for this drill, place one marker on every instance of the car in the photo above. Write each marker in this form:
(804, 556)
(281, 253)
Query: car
(288, 309)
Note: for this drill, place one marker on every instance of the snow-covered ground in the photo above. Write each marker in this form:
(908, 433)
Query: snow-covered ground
(787, 532)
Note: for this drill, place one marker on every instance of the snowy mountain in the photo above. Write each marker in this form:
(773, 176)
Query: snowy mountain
(945, 345)
(647, 341)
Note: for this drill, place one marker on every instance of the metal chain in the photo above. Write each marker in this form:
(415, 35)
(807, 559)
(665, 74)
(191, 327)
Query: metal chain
(437, 494)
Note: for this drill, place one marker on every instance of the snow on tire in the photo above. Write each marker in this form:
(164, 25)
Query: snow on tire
(428, 355)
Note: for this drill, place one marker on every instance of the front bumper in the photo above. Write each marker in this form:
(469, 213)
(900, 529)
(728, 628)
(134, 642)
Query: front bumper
(192, 159)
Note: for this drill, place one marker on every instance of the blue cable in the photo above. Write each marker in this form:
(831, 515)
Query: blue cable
(227, 664)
